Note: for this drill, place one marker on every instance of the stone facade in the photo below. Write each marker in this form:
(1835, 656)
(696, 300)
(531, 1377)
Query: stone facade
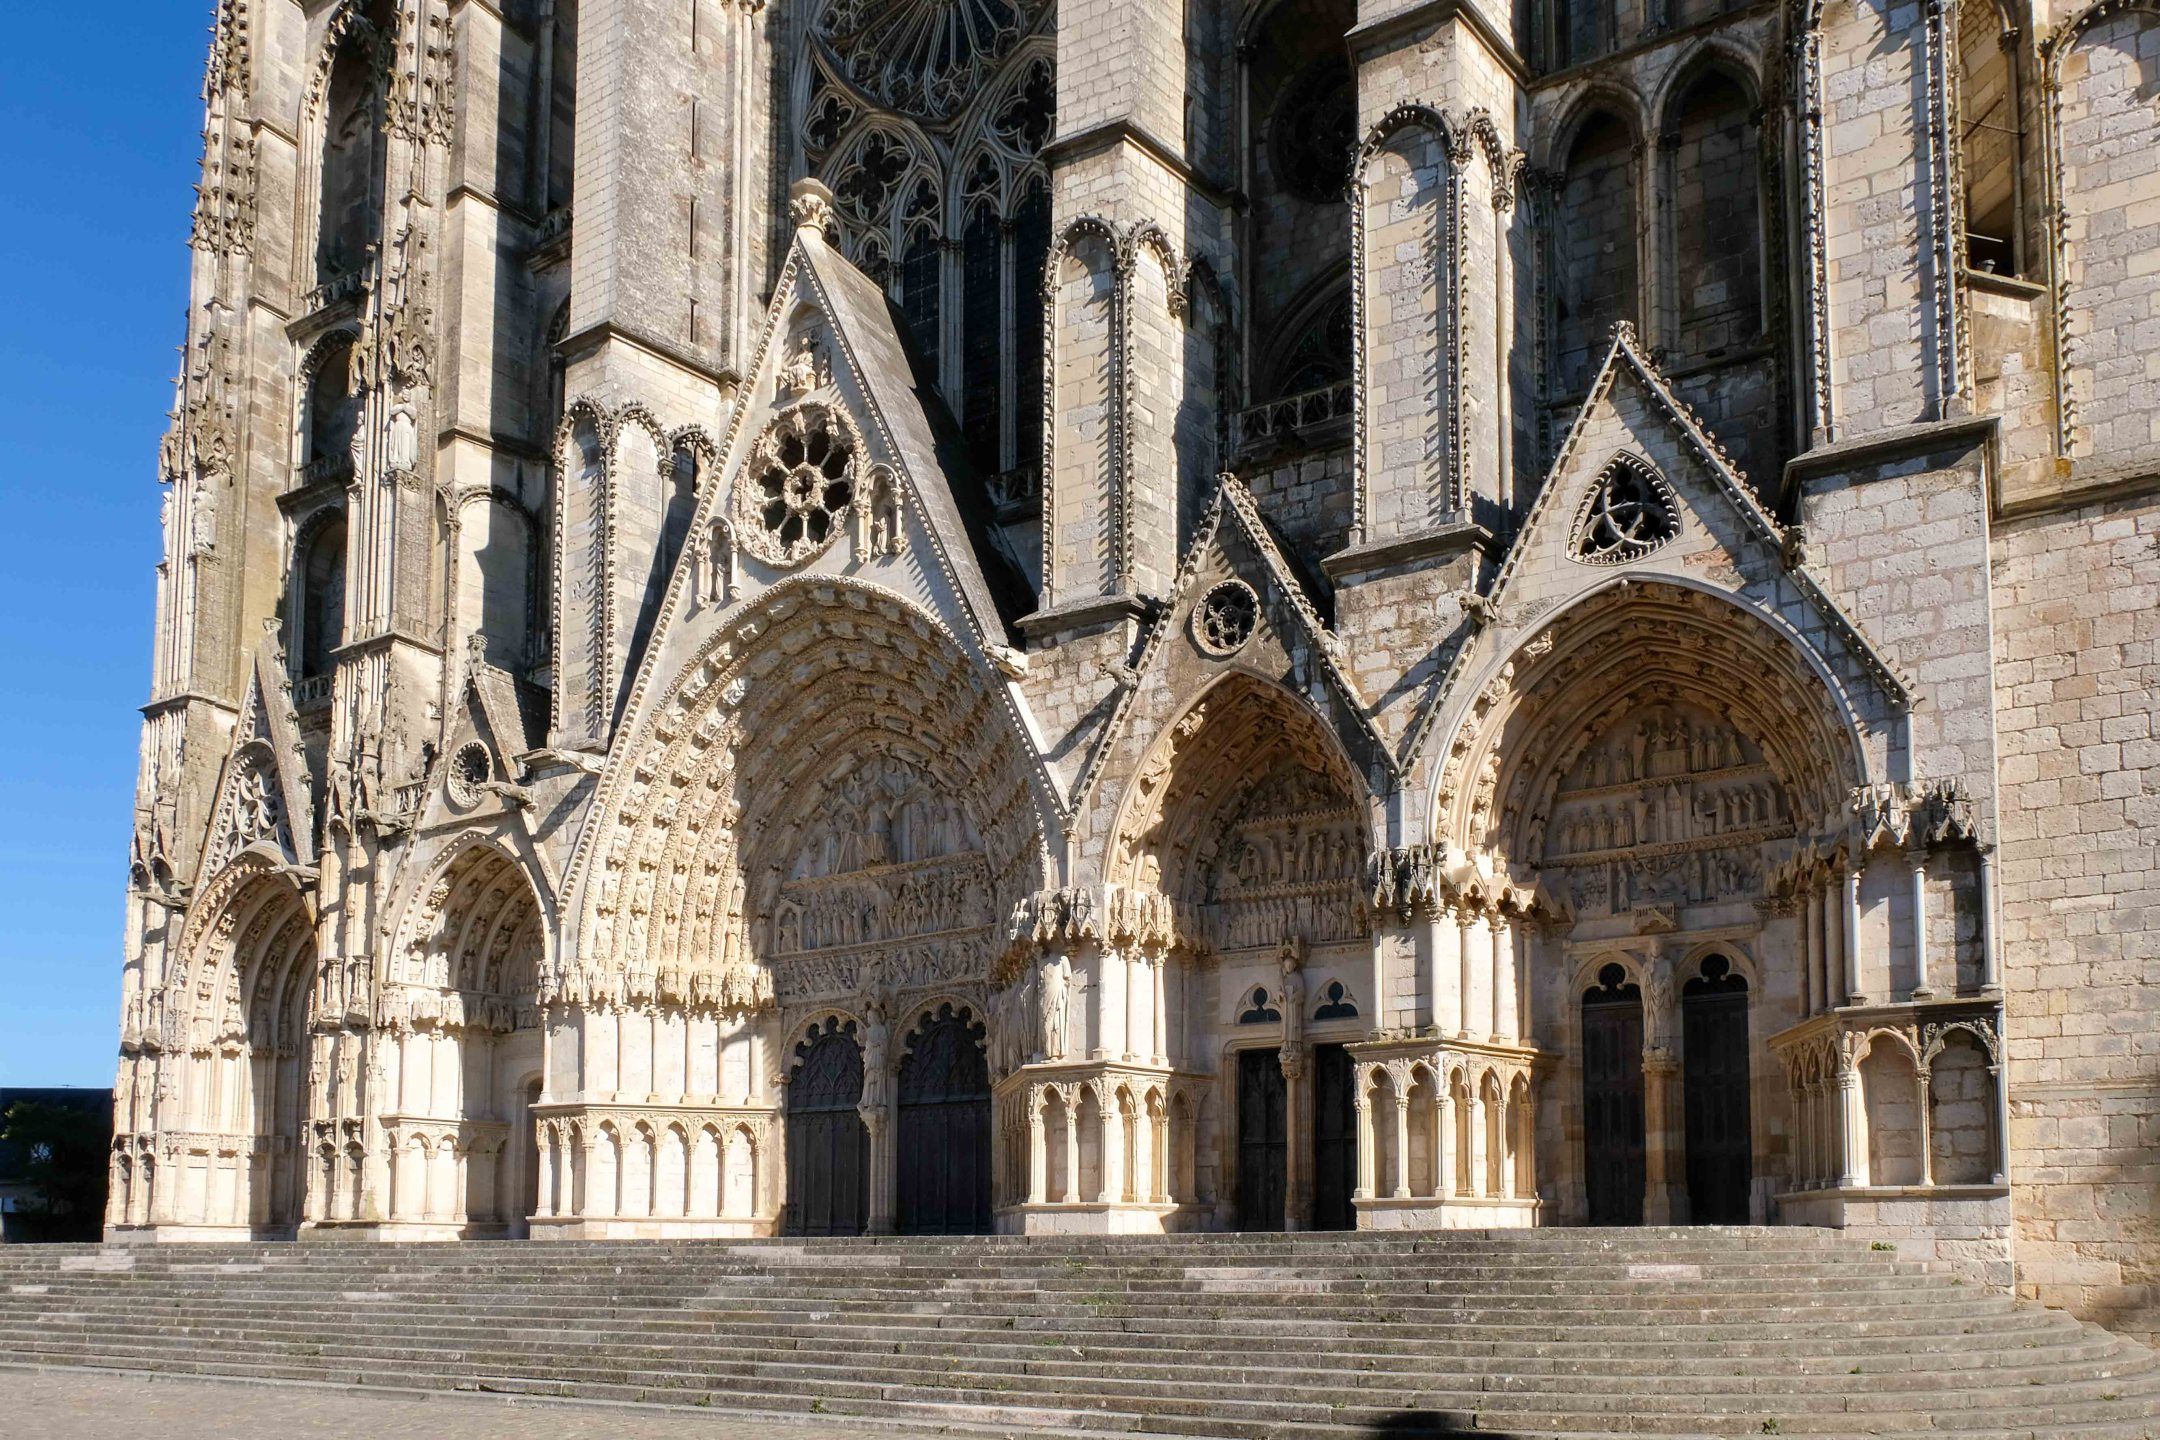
(876, 614)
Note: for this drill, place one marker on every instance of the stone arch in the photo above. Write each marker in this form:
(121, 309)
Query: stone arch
(1248, 790)
(1610, 650)
(460, 1020)
(347, 132)
(841, 690)
(1893, 1148)
(238, 1001)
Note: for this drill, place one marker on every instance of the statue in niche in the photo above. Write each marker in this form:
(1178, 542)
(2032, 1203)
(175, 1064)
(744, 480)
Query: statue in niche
(804, 368)
(1291, 962)
(877, 1039)
(1056, 1005)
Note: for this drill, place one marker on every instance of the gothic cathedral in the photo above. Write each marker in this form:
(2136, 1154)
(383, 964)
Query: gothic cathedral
(942, 616)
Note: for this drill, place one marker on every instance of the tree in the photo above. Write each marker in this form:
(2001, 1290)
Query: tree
(59, 1152)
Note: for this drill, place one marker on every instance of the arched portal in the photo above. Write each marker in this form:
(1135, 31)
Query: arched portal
(944, 1127)
(1647, 760)
(1714, 1049)
(1250, 820)
(238, 1007)
(460, 1039)
(828, 1147)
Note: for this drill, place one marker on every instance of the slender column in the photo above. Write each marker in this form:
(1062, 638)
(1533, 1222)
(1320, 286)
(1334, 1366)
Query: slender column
(1365, 1166)
(1504, 1004)
(1297, 1116)
(1927, 1126)
(1921, 990)
(1852, 1131)
(1159, 1012)
(1851, 946)
(1402, 1145)
(1465, 949)
(1113, 1154)
(1444, 1143)
(2002, 1124)
(1439, 960)
(1991, 929)
(1503, 1141)
(1072, 1147)
(1135, 988)
(1479, 1141)
(1810, 952)
(1378, 980)
(1109, 994)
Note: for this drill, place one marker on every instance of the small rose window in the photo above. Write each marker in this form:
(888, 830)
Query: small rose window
(1628, 513)
(1226, 618)
(800, 481)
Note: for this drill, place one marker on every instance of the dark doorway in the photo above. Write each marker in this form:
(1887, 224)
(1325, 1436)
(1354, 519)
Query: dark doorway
(1720, 1147)
(1262, 1120)
(1334, 1139)
(945, 1128)
(1612, 1023)
(828, 1148)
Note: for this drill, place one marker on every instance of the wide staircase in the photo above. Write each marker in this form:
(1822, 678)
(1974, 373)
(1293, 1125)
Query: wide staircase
(1529, 1334)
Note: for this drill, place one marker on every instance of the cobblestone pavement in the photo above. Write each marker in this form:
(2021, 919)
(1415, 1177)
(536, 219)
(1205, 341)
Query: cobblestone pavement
(89, 1405)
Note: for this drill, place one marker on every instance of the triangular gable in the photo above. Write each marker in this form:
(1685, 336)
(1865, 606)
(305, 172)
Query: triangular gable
(924, 553)
(1726, 538)
(1233, 539)
(263, 794)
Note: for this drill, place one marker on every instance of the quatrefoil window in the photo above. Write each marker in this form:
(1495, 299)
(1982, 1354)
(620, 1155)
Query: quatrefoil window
(1226, 618)
(799, 483)
(1629, 512)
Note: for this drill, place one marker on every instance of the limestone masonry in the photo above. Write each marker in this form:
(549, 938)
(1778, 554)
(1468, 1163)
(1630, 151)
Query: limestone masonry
(949, 615)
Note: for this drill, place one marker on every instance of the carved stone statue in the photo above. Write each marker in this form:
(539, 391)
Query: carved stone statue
(877, 1041)
(1056, 1006)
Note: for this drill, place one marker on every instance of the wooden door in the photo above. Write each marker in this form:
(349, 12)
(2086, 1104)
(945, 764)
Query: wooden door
(945, 1129)
(1720, 1141)
(828, 1147)
(1334, 1139)
(1262, 1176)
(1612, 1082)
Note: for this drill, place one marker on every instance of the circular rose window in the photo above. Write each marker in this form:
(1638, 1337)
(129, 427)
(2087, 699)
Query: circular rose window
(1226, 618)
(470, 768)
(798, 485)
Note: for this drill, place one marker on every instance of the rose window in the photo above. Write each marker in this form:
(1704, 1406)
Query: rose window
(927, 58)
(800, 481)
(1226, 618)
(470, 769)
(1630, 513)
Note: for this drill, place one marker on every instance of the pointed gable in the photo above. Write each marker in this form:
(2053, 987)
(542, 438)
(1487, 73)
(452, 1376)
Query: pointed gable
(1640, 487)
(264, 796)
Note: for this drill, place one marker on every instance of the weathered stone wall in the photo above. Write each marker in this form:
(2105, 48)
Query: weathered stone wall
(2077, 612)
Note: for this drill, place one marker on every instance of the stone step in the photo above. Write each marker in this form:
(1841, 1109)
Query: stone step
(1538, 1333)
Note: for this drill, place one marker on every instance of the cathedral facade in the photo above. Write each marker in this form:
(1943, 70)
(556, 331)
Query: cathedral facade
(838, 616)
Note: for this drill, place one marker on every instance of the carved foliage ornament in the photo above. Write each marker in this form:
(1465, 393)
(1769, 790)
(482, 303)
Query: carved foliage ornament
(1629, 512)
(799, 485)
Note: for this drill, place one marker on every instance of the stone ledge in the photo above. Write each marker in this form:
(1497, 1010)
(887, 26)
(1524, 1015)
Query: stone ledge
(1961, 433)
(1356, 562)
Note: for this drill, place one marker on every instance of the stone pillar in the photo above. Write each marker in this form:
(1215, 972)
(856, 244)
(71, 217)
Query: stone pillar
(1365, 1165)
(1444, 1141)
(1159, 1012)
(1072, 1146)
(1852, 1130)
(1810, 952)
(1832, 923)
(1663, 1165)
(1466, 952)
(1402, 1143)
(1927, 1125)
(1442, 959)
(884, 1169)
(1506, 1004)
(1113, 1153)
(1853, 993)
(1921, 990)
(1136, 988)
(1480, 1141)
(1503, 1141)
(1297, 1123)
(1378, 981)
(1990, 922)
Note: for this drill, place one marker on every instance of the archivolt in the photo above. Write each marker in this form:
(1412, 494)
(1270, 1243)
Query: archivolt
(1614, 651)
(694, 825)
(242, 972)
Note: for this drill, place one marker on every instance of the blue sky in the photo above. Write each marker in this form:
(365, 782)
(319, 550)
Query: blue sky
(103, 111)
